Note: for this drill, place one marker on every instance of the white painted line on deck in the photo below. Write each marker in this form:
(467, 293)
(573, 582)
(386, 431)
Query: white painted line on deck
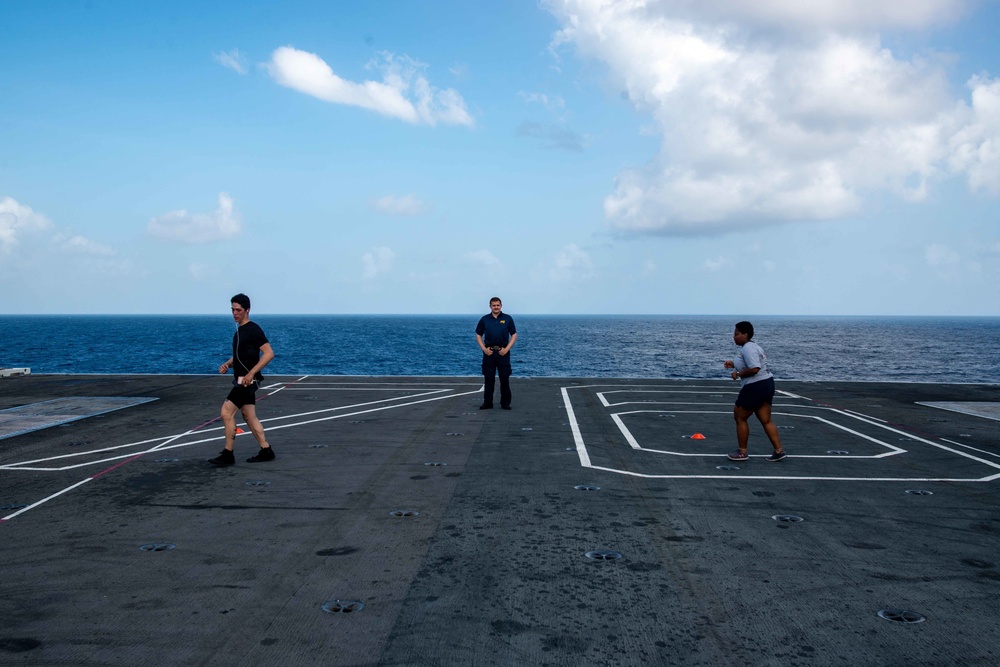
(873, 421)
(602, 395)
(784, 392)
(164, 446)
(28, 465)
(581, 449)
(45, 500)
(22, 465)
(981, 451)
(364, 412)
(861, 414)
(409, 386)
(894, 450)
(801, 478)
(18, 465)
(354, 405)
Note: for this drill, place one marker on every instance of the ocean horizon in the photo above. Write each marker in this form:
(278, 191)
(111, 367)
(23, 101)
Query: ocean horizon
(811, 347)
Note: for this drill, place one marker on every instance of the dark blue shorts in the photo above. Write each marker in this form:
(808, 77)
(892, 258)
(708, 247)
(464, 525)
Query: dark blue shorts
(240, 396)
(755, 395)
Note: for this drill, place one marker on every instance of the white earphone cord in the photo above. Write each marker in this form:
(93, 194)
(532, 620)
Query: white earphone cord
(236, 353)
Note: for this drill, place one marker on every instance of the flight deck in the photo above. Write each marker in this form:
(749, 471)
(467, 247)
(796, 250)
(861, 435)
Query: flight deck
(597, 522)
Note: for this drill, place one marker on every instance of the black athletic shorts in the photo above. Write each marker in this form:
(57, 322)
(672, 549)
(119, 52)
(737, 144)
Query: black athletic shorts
(241, 396)
(755, 395)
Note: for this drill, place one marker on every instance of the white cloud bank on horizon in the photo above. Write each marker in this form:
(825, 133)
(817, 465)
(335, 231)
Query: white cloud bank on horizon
(780, 110)
(403, 93)
(196, 228)
(400, 205)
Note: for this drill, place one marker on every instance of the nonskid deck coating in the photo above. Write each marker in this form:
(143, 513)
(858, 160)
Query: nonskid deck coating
(464, 532)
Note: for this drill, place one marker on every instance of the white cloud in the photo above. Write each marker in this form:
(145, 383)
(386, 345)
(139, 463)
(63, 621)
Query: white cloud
(233, 60)
(832, 14)
(401, 205)
(571, 263)
(780, 110)
(648, 267)
(976, 147)
(377, 262)
(194, 228)
(484, 259)
(80, 245)
(402, 93)
(48, 254)
(17, 219)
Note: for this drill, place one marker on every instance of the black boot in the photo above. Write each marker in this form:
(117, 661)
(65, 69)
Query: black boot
(226, 458)
(265, 454)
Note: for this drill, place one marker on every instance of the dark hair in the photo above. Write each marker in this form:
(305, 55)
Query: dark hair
(745, 328)
(496, 298)
(241, 299)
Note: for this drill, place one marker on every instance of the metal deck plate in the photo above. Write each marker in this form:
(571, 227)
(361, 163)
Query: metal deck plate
(985, 409)
(36, 416)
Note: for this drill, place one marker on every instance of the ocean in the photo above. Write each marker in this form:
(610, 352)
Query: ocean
(917, 349)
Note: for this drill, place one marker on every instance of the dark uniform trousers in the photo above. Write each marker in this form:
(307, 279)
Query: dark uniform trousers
(494, 364)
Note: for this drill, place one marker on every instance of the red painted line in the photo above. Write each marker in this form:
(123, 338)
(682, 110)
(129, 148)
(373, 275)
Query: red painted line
(117, 465)
(206, 423)
(138, 456)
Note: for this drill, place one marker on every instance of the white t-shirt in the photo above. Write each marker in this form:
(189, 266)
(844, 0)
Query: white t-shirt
(751, 355)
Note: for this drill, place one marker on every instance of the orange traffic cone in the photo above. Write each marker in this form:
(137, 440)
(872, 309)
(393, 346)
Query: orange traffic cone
(238, 430)
(697, 436)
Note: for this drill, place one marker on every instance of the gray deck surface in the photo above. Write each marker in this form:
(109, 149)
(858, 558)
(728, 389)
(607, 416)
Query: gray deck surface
(487, 565)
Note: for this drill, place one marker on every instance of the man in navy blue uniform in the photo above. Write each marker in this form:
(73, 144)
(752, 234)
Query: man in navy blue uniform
(495, 335)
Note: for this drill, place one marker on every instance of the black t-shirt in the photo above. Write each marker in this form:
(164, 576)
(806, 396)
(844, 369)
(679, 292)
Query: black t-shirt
(247, 342)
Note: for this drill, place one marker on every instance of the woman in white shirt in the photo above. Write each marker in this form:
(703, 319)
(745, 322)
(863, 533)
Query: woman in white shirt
(756, 393)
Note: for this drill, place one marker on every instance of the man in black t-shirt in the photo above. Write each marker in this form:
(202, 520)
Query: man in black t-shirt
(495, 335)
(251, 352)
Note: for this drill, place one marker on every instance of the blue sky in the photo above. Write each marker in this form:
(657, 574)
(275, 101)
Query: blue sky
(719, 157)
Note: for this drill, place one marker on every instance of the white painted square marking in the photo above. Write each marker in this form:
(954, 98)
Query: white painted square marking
(691, 399)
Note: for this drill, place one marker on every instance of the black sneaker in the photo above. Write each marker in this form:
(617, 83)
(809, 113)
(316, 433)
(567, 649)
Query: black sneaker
(263, 455)
(486, 406)
(777, 456)
(505, 407)
(226, 458)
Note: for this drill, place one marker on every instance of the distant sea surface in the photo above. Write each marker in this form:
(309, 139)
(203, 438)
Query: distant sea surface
(919, 349)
